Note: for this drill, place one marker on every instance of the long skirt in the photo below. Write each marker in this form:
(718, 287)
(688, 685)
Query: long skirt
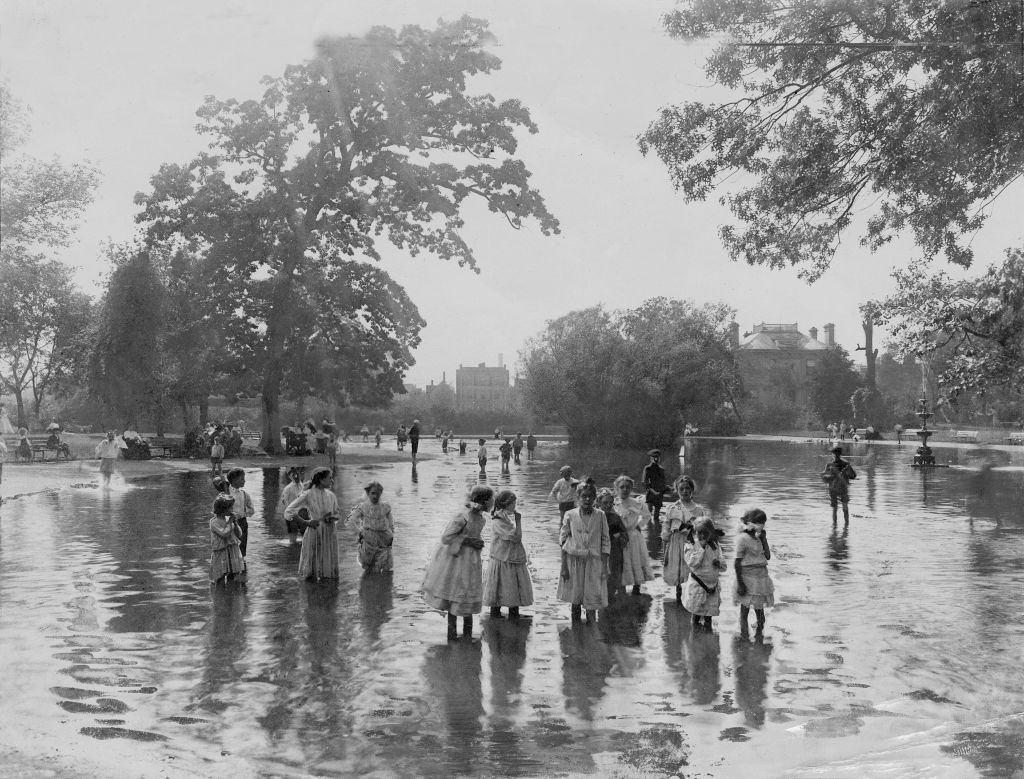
(636, 566)
(375, 551)
(319, 556)
(760, 589)
(585, 585)
(698, 601)
(225, 561)
(676, 570)
(454, 583)
(508, 584)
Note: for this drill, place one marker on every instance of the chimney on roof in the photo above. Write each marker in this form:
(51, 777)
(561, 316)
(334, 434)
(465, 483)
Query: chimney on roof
(501, 360)
(734, 335)
(814, 333)
(830, 335)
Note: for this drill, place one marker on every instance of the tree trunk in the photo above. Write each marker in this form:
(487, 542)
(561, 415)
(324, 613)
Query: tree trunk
(869, 353)
(185, 418)
(204, 410)
(22, 419)
(278, 328)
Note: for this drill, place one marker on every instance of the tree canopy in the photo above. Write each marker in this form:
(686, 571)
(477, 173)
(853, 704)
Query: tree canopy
(632, 377)
(375, 137)
(832, 385)
(911, 110)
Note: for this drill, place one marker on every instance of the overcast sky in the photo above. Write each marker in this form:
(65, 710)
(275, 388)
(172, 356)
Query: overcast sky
(118, 83)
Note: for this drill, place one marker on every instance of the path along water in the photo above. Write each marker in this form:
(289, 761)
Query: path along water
(895, 648)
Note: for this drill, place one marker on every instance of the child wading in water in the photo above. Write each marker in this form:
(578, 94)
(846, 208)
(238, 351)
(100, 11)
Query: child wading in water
(216, 456)
(508, 579)
(838, 474)
(481, 454)
(636, 565)
(226, 559)
(564, 492)
(376, 530)
(618, 538)
(753, 588)
(703, 555)
(454, 578)
(585, 551)
(291, 490)
(675, 530)
(319, 556)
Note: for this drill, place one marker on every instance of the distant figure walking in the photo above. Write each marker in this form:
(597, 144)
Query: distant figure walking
(517, 448)
(653, 482)
(108, 450)
(216, 456)
(481, 454)
(506, 454)
(531, 446)
(838, 474)
(414, 438)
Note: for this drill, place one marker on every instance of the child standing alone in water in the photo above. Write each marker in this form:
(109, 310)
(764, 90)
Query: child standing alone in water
(753, 588)
(508, 579)
(376, 530)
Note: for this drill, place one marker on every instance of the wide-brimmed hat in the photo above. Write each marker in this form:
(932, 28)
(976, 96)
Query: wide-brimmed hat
(654, 453)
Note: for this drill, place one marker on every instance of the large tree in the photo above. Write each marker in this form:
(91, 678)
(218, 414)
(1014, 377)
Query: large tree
(911, 109)
(375, 136)
(832, 385)
(633, 377)
(40, 311)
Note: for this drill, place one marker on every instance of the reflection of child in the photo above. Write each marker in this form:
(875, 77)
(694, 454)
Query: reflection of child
(225, 558)
(376, 530)
(753, 588)
(508, 579)
(703, 555)
(675, 531)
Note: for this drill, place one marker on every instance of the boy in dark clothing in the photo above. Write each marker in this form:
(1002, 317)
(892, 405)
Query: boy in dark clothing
(653, 481)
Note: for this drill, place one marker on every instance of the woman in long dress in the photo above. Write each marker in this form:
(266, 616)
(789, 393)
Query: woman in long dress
(676, 528)
(319, 556)
(453, 582)
(6, 428)
(636, 566)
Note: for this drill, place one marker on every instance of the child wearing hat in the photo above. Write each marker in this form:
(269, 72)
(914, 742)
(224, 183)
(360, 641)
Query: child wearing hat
(838, 474)
(564, 492)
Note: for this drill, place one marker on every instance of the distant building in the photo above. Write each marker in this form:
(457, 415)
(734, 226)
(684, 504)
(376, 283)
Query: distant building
(482, 388)
(776, 360)
(412, 389)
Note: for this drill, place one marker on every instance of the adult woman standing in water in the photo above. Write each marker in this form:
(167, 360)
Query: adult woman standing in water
(319, 556)
(454, 578)
(636, 567)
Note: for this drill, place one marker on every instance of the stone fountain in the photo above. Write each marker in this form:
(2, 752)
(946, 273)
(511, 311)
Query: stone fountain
(924, 457)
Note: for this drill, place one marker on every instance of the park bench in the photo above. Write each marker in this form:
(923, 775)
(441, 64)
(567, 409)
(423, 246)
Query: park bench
(970, 436)
(1015, 438)
(167, 446)
(41, 450)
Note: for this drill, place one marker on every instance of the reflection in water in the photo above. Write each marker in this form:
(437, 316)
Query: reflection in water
(838, 548)
(704, 648)
(375, 601)
(623, 622)
(675, 637)
(750, 667)
(586, 663)
(507, 646)
(452, 672)
(226, 644)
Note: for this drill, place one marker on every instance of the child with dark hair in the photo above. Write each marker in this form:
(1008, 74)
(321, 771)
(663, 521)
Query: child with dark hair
(676, 529)
(701, 593)
(481, 454)
(225, 558)
(453, 582)
(243, 505)
(585, 550)
(508, 577)
(376, 530)
(617, 537)
(292, 490)
(838, 474)
(754, 588)
(216, 456)
(319, 556)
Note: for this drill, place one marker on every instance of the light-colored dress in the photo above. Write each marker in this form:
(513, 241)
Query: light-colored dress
(377, 528)
(676, 523)
(508, 578)
(760, 589)
(584, 539)
(319, 556)
(225, 556)
(636, 565)
(700, 560)
(454, 578)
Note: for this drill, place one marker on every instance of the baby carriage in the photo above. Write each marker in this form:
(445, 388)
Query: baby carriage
(295, 440)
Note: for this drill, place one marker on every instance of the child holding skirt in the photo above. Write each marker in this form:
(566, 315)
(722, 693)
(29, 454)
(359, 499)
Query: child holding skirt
(585, 549)
(319, 556)
(508, 579)
(675, 532)
(636, 565)
(703, 555)
(225, 558)
(376, 530)
(753, 588)
(454, 579)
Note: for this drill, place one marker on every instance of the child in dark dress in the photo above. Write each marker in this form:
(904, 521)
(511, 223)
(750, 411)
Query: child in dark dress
(619, 538)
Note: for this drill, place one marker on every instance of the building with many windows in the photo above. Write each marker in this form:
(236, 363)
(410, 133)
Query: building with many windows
(482, 388)
(776, 360)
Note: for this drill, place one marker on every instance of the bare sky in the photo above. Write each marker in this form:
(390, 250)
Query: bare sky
(118, 82)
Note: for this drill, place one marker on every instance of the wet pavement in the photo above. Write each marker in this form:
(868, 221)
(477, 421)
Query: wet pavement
(894, 650)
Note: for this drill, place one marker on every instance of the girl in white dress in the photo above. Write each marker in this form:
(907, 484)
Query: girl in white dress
(754, 588)
(677, 525)
(508, 577)
(636, 565)
(702, 595)
(319, 556)
(376, 530)
(586, 547)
